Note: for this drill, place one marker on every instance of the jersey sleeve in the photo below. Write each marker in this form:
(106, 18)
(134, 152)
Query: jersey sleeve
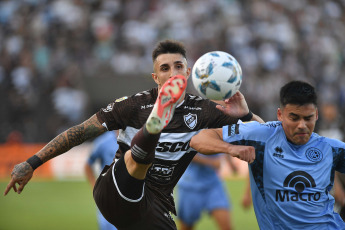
(252, 130)
(114, 116)
(216, 118)
(338, 148)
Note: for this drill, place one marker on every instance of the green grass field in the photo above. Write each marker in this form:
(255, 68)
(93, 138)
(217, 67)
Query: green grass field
(57, 205)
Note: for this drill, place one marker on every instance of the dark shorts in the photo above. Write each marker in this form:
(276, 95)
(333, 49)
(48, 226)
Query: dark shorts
(145, 212)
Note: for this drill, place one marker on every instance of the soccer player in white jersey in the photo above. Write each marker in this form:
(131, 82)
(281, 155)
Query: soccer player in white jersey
(292, 168)
(135, 191)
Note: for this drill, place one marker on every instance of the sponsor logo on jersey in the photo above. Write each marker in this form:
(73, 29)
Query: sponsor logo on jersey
(299, 180)
(146, 106)
(109, 108)
(278, 152)
(172, 147)
(191, 120)
(192, 108)
(121, 99)
(162, 171)
(314, 154)
(272, 125)
(193, 97)
(233, 129)
(146, 92)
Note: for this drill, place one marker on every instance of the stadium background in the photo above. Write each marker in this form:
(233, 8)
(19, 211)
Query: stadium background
(61, 61)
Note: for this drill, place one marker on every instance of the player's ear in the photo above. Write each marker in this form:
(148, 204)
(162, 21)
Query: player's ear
(279, 114)
(188, 72)
(155, 78)
(317, 114)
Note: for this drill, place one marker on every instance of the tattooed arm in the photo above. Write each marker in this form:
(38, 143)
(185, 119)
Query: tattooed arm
(74, 136)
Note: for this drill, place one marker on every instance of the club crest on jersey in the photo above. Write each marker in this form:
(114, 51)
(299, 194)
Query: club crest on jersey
(190, 120)
(314, 154)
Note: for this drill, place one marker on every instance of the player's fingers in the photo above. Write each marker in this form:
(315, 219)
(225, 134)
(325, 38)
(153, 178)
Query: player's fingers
(9, 186)
(221, 108)
(15, 188)
(235, 96)
(21, 187)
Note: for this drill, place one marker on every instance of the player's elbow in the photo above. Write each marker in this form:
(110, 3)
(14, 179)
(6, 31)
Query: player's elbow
(196, 142)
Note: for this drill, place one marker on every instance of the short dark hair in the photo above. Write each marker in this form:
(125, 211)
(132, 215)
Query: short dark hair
(297, 93)
(168, 46)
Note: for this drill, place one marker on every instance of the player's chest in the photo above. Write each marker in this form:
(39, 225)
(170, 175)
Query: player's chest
(305, 168)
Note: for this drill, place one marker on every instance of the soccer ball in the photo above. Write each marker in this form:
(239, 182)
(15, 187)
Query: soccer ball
(217, 75)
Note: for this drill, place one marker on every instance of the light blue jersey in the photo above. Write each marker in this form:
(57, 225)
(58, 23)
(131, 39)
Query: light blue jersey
(200, 189)
(198, 176)
(104, 149)
(290, 183)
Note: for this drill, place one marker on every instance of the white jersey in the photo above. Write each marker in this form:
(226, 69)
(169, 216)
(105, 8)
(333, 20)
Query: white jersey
(173, 153)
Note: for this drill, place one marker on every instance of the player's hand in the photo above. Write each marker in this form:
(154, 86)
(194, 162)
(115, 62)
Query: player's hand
(245, 153)
(235, 106)
(246, 202)
(20, 175)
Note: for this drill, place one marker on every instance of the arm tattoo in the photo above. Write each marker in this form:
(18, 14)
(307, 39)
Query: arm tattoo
(72, 137)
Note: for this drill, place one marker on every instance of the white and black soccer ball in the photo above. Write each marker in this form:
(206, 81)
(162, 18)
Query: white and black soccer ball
(217, 75)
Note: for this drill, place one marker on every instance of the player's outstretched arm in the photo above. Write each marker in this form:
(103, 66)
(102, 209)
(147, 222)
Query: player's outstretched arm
(22, 173)
(236, 106)
(210, 141)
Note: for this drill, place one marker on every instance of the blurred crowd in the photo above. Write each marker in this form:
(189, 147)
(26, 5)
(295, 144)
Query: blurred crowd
(49, 47)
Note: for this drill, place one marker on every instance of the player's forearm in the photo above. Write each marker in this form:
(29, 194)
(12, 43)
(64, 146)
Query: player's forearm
(70, 138)
(257, 118)
(215, 163)
(209, 142)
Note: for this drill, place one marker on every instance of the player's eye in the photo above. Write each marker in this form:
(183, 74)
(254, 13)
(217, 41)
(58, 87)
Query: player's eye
(307, 118)
(294, 118)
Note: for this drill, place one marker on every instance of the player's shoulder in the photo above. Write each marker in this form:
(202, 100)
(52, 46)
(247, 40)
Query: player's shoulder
(335, 143)
(253, 130)
(191, 99)
(146, 93)
(269, 125)
(142, 95)
(146, 98)
(194, 98)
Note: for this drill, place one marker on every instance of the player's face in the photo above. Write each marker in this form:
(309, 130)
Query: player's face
(298, 122)
(169, 65)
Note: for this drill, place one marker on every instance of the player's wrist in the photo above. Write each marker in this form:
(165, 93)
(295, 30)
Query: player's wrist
(247, 117)
(34, 162)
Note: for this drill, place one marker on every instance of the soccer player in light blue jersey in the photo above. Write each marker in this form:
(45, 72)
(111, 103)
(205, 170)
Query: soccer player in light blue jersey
(201, 189)
(103, 150)
(292, 168)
